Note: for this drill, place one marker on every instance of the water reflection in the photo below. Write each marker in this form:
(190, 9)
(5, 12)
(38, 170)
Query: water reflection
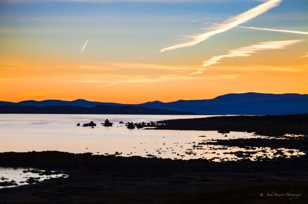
(14, 177)
(216, 153)
(36, 132)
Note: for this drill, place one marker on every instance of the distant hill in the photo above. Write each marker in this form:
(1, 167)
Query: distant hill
(244, 103)
(80, 107)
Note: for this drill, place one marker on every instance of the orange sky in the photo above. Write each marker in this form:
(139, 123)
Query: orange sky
(146, 82)
(42, 54)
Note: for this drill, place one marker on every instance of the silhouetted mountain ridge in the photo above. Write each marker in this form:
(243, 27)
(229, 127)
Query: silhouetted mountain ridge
(242, 103)
(239, 103)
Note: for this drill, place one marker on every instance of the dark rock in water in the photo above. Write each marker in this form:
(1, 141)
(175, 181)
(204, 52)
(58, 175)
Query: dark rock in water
(90, 124)
(7, 183)
(148, 124)
(222, 131)
(118, 153)
(130, 125)
(140, 125)
(78, 124)
(107, 123)
(32, 180)
(121, 122)
(151, 124)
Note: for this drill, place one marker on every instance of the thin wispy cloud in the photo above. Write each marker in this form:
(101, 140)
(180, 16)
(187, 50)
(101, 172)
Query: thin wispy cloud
(137, 66)
(136, 80)
(172, 74)
(84, 46)
(161, 79)
(276, 30)
(148, 66)
(246, 52)
(227, 25)
(263, 68)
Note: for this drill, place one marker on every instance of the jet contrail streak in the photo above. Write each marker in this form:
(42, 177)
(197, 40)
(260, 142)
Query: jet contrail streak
(276, 30)
(228, 24)
(84, 46)
(246, 52)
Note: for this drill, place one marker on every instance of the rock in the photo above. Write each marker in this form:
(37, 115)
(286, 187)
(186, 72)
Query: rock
(90, 124)
(223, 131)
(130, 125)
(32, 180)
(8, 183)
(140, 125)
(107, 123)
(151, 124)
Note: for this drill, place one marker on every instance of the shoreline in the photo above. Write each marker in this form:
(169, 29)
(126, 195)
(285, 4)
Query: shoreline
(144, 180)
(262, 125)
(114, 179)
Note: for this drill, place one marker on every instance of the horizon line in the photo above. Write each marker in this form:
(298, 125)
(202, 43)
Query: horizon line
(161, 101)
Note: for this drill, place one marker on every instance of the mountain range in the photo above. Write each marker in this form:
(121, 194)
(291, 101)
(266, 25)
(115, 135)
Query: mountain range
(241, 103)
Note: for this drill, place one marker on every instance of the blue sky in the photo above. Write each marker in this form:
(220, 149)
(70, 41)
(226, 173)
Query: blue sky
(51, 33)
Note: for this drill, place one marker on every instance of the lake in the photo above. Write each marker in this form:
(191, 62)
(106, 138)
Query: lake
(41, 132)
(14, 177)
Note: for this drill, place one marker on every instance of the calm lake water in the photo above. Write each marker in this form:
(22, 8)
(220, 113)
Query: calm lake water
(14, 177)
(39, 132)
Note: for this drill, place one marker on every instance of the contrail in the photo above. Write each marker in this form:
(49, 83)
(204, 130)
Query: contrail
(84, 46)
(276, 30)
(228, 24)
(247, 51)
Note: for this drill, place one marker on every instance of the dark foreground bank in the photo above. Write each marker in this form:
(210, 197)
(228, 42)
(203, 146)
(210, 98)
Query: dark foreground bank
(110, 179)
(262, 125)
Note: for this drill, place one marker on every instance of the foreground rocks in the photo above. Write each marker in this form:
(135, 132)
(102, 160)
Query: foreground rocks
(110, 179)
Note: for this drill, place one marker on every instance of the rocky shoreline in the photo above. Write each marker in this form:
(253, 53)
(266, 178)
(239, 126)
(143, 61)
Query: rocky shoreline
(112, 179)
(261, 125)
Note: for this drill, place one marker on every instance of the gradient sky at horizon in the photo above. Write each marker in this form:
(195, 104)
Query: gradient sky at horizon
(41, 52)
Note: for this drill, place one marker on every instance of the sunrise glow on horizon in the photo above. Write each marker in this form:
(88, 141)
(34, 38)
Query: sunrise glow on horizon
(132, 51)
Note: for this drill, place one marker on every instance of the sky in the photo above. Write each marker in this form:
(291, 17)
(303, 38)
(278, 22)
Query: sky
(132, 51)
